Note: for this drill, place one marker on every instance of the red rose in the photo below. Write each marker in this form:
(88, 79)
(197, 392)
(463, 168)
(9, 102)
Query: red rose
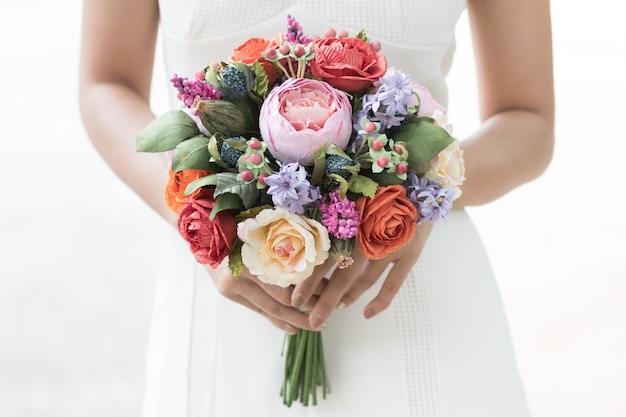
(210, 241)
(348, 64)
(388, 221)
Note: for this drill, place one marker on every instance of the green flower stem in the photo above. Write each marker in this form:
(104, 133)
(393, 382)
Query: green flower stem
(304, 368)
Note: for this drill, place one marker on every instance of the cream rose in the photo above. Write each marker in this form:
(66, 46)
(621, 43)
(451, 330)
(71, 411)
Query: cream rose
(448, 169)
(281, 247)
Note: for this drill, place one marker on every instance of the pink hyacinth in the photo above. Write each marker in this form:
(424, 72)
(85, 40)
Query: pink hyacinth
(339, 216)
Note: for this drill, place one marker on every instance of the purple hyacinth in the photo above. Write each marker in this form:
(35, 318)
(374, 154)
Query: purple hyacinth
(339, 216)
(431, 200)
(388, 105)
(294, 32)
(290, 189)
(188, 90)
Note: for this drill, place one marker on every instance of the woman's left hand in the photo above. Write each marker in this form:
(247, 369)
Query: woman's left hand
(345, 286)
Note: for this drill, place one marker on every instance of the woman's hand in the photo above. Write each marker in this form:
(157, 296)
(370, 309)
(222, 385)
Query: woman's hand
(345, 286)
(271, 301)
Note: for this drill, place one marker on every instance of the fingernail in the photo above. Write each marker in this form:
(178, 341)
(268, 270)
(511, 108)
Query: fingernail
(298, 300)
(317, 322)
(290, 329)
(341, 305)
(369, 313)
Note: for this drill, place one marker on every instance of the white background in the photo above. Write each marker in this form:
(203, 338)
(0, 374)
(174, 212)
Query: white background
(77, 249)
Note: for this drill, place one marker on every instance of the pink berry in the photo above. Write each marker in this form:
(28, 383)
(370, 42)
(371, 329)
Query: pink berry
(298, 51)
(376, 46)
(342, 34)
(261, 178)
(270, 53)
(255, 158)
(369, 127)
(402, 168)
(377, 145)
(246, 157)
(284, 49)
(200, 75)
(247, 176)
(330, 33)
(254, 144)
(398, 149)
(382, 161)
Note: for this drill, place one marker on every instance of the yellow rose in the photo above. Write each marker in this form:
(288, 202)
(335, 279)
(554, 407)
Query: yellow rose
(448, 169)
(281, 247)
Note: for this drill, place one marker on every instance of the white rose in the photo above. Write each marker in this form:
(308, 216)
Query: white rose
(448, 168)
(281, 247)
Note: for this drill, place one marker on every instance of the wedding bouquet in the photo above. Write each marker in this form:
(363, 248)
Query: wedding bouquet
(296, 149)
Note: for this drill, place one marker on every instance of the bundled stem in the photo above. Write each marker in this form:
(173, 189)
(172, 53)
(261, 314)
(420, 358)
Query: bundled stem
(304, 368)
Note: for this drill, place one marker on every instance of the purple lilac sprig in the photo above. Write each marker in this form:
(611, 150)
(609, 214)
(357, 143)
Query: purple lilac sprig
(431, 200)
(189, 90)
(294, 32)
(290, 188)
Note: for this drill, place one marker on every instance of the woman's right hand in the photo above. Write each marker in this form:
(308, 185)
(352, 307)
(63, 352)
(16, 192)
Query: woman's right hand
(271, 301)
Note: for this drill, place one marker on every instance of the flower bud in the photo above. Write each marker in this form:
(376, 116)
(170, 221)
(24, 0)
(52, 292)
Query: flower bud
(219, 116)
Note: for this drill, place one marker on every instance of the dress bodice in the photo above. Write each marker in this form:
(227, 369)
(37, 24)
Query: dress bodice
(417, 36)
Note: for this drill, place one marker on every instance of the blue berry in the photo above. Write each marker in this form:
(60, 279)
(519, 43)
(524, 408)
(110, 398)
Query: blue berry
(335, 164)
(230, 155)
(235, 79)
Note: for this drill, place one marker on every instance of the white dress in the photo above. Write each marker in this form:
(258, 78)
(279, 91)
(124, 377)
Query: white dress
(441, 349)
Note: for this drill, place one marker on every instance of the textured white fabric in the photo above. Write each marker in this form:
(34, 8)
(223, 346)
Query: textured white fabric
(442, 349)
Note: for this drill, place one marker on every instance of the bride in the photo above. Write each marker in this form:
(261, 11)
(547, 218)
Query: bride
(421, 332)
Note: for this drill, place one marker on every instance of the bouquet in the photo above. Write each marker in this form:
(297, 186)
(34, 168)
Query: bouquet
(296, 149)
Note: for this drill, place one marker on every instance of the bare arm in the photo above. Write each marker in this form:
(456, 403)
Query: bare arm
(117, 54)
(512, 43)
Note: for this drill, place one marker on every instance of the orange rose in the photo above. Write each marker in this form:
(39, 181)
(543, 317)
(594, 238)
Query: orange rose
(388, 221)
(250, 52)
(178, 181)
(348, 64)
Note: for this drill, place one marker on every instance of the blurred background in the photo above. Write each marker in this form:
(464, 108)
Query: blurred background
(78, 250)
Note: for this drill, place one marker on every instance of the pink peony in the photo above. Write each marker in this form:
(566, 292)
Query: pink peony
(300, 116)
(428, 105)
(210, 241)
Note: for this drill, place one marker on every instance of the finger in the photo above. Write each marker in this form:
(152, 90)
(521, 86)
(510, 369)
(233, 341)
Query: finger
(337, 285)
(368, 276)
(394, 280)
(250, 292)
(281, 324)
(280, 314)
(304, 290)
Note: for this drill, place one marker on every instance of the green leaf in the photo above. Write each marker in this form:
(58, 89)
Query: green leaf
(166, 132)
(250, 112)
(226, 201)
(363, 185)
(235, 261)
(227, 183)
(261, 83)
(251, 213)
(319, 167)
(213, 148)
(209, 180)
(423, 139)
(192, 154)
